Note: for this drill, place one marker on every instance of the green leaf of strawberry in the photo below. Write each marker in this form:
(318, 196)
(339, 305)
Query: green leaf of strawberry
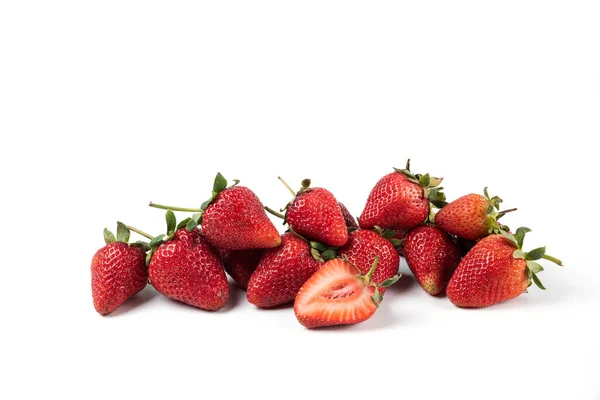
(109, 237)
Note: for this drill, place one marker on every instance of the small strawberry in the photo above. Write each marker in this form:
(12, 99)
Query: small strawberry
(232, 219)
(184, 266)
(432, 257)
(315, 214)
(281, 272)
(118, 270)
(348, 218)
(240, 264)
(496, 269)
(401, 200)
(363, 246)
(471, 217)
(339, 294)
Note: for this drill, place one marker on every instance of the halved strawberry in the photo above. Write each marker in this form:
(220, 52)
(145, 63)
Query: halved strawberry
(338, 294)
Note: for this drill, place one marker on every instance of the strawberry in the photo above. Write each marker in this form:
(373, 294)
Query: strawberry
(496, 269)
(315, 214)
(118, 271)
(363, 246)
(401, 200)
(281, 272)
(348, 218)
(432, 257)
(232, 219)
(339, 294)
(184, 266)
(240, 264)
(471, 217)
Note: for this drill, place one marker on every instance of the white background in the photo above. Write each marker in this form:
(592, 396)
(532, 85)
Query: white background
(107, 105)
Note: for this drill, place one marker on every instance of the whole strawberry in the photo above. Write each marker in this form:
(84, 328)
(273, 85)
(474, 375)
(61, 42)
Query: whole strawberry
(348, 218)
(240, 264)
(471, 217)
(432, 257)
(401, 200)
(339, 294)
(118, 271)
(281, 272)
(496, 269)
(315, 214)
(364, 246)
(232, 219)
(185, 267)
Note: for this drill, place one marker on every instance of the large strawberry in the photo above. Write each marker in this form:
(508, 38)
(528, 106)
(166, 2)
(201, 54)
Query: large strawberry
(362, 248)
(184, 266)
(432, 256)
(281, 272)
(496, 269)
(471, 217)
(240, 264)
(339, 294)
(118, 270)
(401, 200)
(232, 219)
(315, 214)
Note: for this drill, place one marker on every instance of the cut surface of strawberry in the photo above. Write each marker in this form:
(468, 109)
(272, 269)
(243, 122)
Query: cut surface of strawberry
(337, 294)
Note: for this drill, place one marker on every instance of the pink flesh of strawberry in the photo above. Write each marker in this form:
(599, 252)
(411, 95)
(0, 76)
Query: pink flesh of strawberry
(334, 296)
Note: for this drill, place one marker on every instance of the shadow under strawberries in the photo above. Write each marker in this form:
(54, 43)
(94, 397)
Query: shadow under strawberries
(142, 297)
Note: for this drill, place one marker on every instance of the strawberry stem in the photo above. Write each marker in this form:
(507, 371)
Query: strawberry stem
(184, 209)
(371, 271)
(139, 232)
(287, 186)
(553, 259)
(275, 213)
(502, 213)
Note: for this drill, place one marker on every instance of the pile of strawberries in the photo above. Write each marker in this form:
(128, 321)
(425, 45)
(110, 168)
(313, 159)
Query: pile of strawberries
(334, 269)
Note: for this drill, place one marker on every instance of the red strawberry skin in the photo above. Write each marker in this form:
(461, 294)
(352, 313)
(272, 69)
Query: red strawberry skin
(118, 272)
(432, 257)
(348, 218)
(488, 274)
(236, 220)
(281, 272)
(466, 217)
(240, 264)
(362, 248)
(188, 269)
(316, 215)
(395, 203)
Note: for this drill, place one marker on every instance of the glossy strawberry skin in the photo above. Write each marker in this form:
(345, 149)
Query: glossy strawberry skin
(118, 272)
(488, 274)
(395, 203)
(236, 220)
(465, 217)
(281, 272)
(362, 248)
(240, 264)
(348, 218)
(334, 295)
(188, 269)
(316, 215)
(432, 256)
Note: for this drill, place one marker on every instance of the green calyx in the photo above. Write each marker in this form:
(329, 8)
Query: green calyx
(430, 184)
(389, 234)
(191, 223)
(305, 186)
(494, 214)
(366, 278)
(319, 251)
(531, 257)
(123, 235)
